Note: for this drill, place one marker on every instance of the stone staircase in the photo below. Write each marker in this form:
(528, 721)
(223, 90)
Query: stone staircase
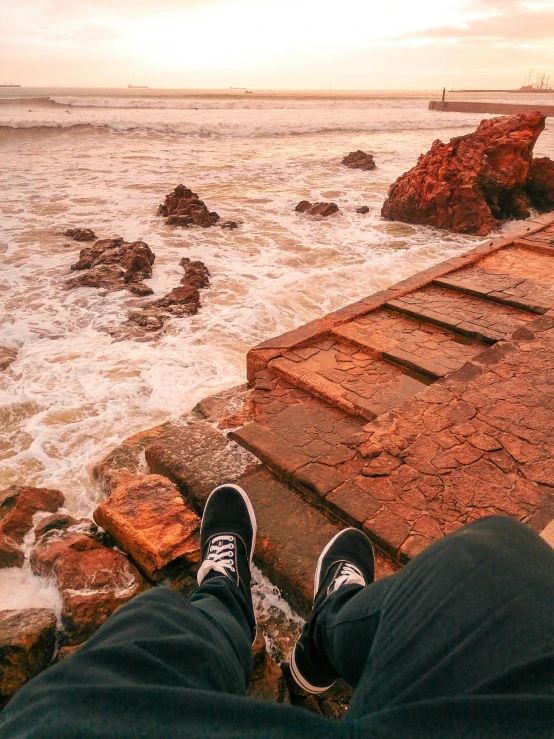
(321, 393)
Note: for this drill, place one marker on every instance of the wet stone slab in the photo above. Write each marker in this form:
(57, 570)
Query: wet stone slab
(418, 345)
(348, 378)
(464, 314)
(518, 277)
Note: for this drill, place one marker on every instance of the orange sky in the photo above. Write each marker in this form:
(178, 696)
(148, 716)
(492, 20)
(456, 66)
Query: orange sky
(351, 44)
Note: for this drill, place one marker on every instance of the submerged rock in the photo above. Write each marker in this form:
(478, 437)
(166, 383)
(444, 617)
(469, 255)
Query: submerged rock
(363, 210)
(149, 519)
(182, 207)
(27, 643)
(114, 264)
(80, 234)
(7, 356)
(359, 160)
(94, 579)
(317, 209)
(472, 183)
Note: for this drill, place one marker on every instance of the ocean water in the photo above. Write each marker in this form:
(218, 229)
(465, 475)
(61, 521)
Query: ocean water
(105, 159)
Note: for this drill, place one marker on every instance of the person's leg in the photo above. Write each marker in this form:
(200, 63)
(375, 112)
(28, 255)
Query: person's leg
(470, 616)
(164, 665)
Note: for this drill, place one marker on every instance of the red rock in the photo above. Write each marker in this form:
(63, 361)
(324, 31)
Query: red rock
(149, 519)
(540, 183)
(182, 207)
(196, 273)
(317, 209)
(181, 301)
(80, 234)
(18, 505)
(94, 580)
(11, 555)
(472, 183)
(27, 643)
(359, 160)
(363, 210)
(114, 264)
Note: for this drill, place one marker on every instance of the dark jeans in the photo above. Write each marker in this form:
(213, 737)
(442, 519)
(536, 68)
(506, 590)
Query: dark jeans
(458, 644)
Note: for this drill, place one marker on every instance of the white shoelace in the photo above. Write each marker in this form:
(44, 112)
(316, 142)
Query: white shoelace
(349, 575)
(221, 557)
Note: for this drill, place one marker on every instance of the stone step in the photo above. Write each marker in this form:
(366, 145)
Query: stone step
(518, 277)
(349, 378)
(415, 344)
(464, 314)
(291, 531)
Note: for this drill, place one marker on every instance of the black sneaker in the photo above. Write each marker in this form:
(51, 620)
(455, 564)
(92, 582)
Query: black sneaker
(227, 537)
(346, 560)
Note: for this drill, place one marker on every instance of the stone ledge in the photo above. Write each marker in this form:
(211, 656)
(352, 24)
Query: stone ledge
(259, 356)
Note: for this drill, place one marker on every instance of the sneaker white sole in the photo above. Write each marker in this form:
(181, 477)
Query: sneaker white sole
(300, 680)
(249, 507)
(317, 576)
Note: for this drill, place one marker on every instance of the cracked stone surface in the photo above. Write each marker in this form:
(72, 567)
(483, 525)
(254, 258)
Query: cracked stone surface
(518, 277)
(421, 346)
(464, 314)
(348, 377)
(478, 441)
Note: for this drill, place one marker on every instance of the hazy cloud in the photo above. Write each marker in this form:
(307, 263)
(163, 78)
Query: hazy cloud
(509, 21)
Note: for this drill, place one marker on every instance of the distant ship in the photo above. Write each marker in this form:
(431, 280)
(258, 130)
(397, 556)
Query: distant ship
(137, 87)
(11, 84)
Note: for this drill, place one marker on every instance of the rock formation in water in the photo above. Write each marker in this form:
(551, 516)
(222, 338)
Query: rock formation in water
(317, 209)
(182, 207)
(18, 505)
(183, 300)
(80, 234)
(114, 264)
(359, 160)
(363, 210)
(475, 181)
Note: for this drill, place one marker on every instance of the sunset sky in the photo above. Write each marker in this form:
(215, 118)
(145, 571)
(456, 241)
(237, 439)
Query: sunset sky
(351, 44)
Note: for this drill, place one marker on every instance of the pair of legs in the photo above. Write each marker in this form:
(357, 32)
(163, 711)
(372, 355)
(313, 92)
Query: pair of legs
(458, 644)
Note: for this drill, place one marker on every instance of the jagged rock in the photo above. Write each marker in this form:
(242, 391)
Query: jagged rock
(149, 519)
(364, 209)
(80, 234)
(181, 301)
(27, 643)
(7, 356)
(317, 209)
(359, 160)
(94, 580)
(114, 264)
(196, 273)
(182, 207)
(267, 681)
(472, 183)
(540, 183)
(18, 505)
(11, 554)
